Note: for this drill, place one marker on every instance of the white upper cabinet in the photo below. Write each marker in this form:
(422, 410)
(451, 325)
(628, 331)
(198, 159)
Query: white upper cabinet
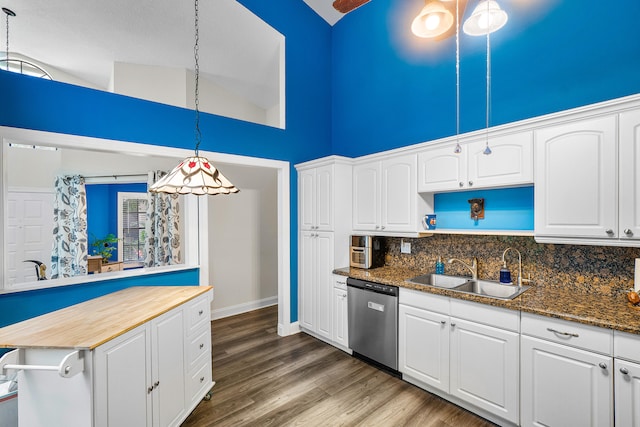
(587, 185)
(316, 198)
(385, 196)
(629, 178)
(510, 163)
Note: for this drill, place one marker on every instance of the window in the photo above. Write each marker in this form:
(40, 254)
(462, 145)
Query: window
(132, 219)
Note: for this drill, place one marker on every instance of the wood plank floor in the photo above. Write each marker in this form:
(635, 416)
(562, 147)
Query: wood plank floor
(266, 380)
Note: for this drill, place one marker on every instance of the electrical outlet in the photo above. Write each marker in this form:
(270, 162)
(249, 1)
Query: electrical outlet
(405, 247)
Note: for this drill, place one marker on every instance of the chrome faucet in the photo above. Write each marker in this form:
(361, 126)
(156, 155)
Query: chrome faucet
(473, 267)
(519, 263)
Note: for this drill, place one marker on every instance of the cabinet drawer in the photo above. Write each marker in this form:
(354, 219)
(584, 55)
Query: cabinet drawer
(340, 282)
(199, 381)
(198, 312)
(569, 333)
(626, 346)
(424, 300)
(197, 346)
(489, 315)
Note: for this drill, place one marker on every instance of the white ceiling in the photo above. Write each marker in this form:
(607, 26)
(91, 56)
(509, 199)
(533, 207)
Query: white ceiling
(85, 37)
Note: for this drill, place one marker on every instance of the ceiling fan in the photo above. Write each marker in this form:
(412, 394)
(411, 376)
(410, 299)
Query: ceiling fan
(346, 6)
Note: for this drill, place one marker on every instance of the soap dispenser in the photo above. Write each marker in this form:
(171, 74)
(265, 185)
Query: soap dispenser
(439, 266)
(505, 274)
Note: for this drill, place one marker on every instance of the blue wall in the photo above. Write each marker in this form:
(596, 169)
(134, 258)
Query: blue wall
(367, 85)
(392, 89)
(102, 210)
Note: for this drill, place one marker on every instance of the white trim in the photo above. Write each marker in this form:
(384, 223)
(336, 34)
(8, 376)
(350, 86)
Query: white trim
(243, 308)
(196, 250)
(121, 196)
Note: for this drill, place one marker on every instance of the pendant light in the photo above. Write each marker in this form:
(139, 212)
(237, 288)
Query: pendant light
(432, 21)
(486, 18)
(194, 175)
(458, 148)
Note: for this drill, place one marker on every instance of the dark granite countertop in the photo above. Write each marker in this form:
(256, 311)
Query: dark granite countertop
(605, 311)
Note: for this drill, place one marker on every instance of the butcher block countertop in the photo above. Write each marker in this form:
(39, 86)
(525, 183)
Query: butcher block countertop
(87, 325)
(605, 311)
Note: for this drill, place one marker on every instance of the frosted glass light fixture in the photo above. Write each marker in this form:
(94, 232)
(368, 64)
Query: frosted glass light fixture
(486, 18)
(432, 21)
(194, 175)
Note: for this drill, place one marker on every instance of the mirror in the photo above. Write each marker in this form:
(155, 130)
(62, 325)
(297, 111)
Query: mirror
(116, 202)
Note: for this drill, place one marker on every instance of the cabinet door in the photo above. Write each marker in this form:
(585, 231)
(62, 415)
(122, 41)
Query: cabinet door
(629, 177)
(366, 196)
(168, 368)
(510, 161)
(399, 194)
(564, 386)
(423, 346)
(324, 284)
(324, 198)
(440, 169)
(627, 393)
(122, 369)
(307, 279)
(340, 318)
(307, 199)
(576, 175)
(485, 367)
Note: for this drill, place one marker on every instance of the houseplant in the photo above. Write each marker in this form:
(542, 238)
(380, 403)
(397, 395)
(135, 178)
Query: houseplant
(105, 247)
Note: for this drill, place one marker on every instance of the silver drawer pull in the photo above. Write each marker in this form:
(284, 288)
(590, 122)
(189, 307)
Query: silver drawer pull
(567, 334)
(624, 371)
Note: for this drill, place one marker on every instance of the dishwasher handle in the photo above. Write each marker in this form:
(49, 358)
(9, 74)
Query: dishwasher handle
(375, 306)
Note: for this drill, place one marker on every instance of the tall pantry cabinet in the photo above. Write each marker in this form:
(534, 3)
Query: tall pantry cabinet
(324, 227)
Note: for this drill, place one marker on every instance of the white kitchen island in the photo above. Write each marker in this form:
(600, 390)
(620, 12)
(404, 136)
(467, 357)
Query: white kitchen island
(136, 357)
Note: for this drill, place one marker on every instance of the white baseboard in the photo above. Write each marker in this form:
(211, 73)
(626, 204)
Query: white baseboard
(243, 308)
(289, 329)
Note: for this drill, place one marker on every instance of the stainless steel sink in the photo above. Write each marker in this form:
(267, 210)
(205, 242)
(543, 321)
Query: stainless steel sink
(438, 280)
(491, 289)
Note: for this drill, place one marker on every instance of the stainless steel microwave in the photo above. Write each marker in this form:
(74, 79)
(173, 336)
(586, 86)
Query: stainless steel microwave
(366, 251)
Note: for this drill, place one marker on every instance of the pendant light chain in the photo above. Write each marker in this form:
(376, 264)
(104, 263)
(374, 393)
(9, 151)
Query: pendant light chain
(8, 12)
(458, 148)
(487, 150)
(197, 78)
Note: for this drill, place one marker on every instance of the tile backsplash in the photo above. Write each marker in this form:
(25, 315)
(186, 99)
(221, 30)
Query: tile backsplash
(592, 269)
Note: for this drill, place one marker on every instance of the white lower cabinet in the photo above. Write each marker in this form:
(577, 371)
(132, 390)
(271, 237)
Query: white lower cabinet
(472, 359)
(566, 374)
(485, 367)
(340, 333)
(627, 379)
(144, 377)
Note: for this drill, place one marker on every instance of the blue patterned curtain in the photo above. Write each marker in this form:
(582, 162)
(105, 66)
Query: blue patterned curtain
(162, 243)
(69, 254)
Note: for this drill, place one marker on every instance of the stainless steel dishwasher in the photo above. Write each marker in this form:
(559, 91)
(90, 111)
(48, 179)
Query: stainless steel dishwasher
(373, 321)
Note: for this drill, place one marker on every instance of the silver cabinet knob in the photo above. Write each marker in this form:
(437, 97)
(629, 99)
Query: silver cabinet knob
(470, 183)
(609, 232)
(444, 322)
(602, 365)
(377, 227)
(383, 227)
(624, 371)
(628, 232)
(453, 325)
(461, 184)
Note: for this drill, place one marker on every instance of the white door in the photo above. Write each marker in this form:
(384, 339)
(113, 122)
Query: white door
(122, 369)
(627, 393)
(510, 161)
(576, 173)
(366, 197)
(340, 318)
(324, 198)
(307, 196)
(399, 194)
(485, 367)
(423, 346)
(307, 277)
(564, 386)
(29, 235)
(629, 164)
(440, 169)
(324, 284)
(168, 368)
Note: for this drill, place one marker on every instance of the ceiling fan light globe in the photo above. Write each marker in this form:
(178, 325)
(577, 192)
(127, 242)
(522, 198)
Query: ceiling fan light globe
(432, 21)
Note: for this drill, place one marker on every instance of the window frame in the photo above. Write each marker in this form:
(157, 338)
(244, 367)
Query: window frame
(122, 196)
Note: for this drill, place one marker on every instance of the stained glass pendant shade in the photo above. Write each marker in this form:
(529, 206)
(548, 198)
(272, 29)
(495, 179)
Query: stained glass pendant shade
(194, 175)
